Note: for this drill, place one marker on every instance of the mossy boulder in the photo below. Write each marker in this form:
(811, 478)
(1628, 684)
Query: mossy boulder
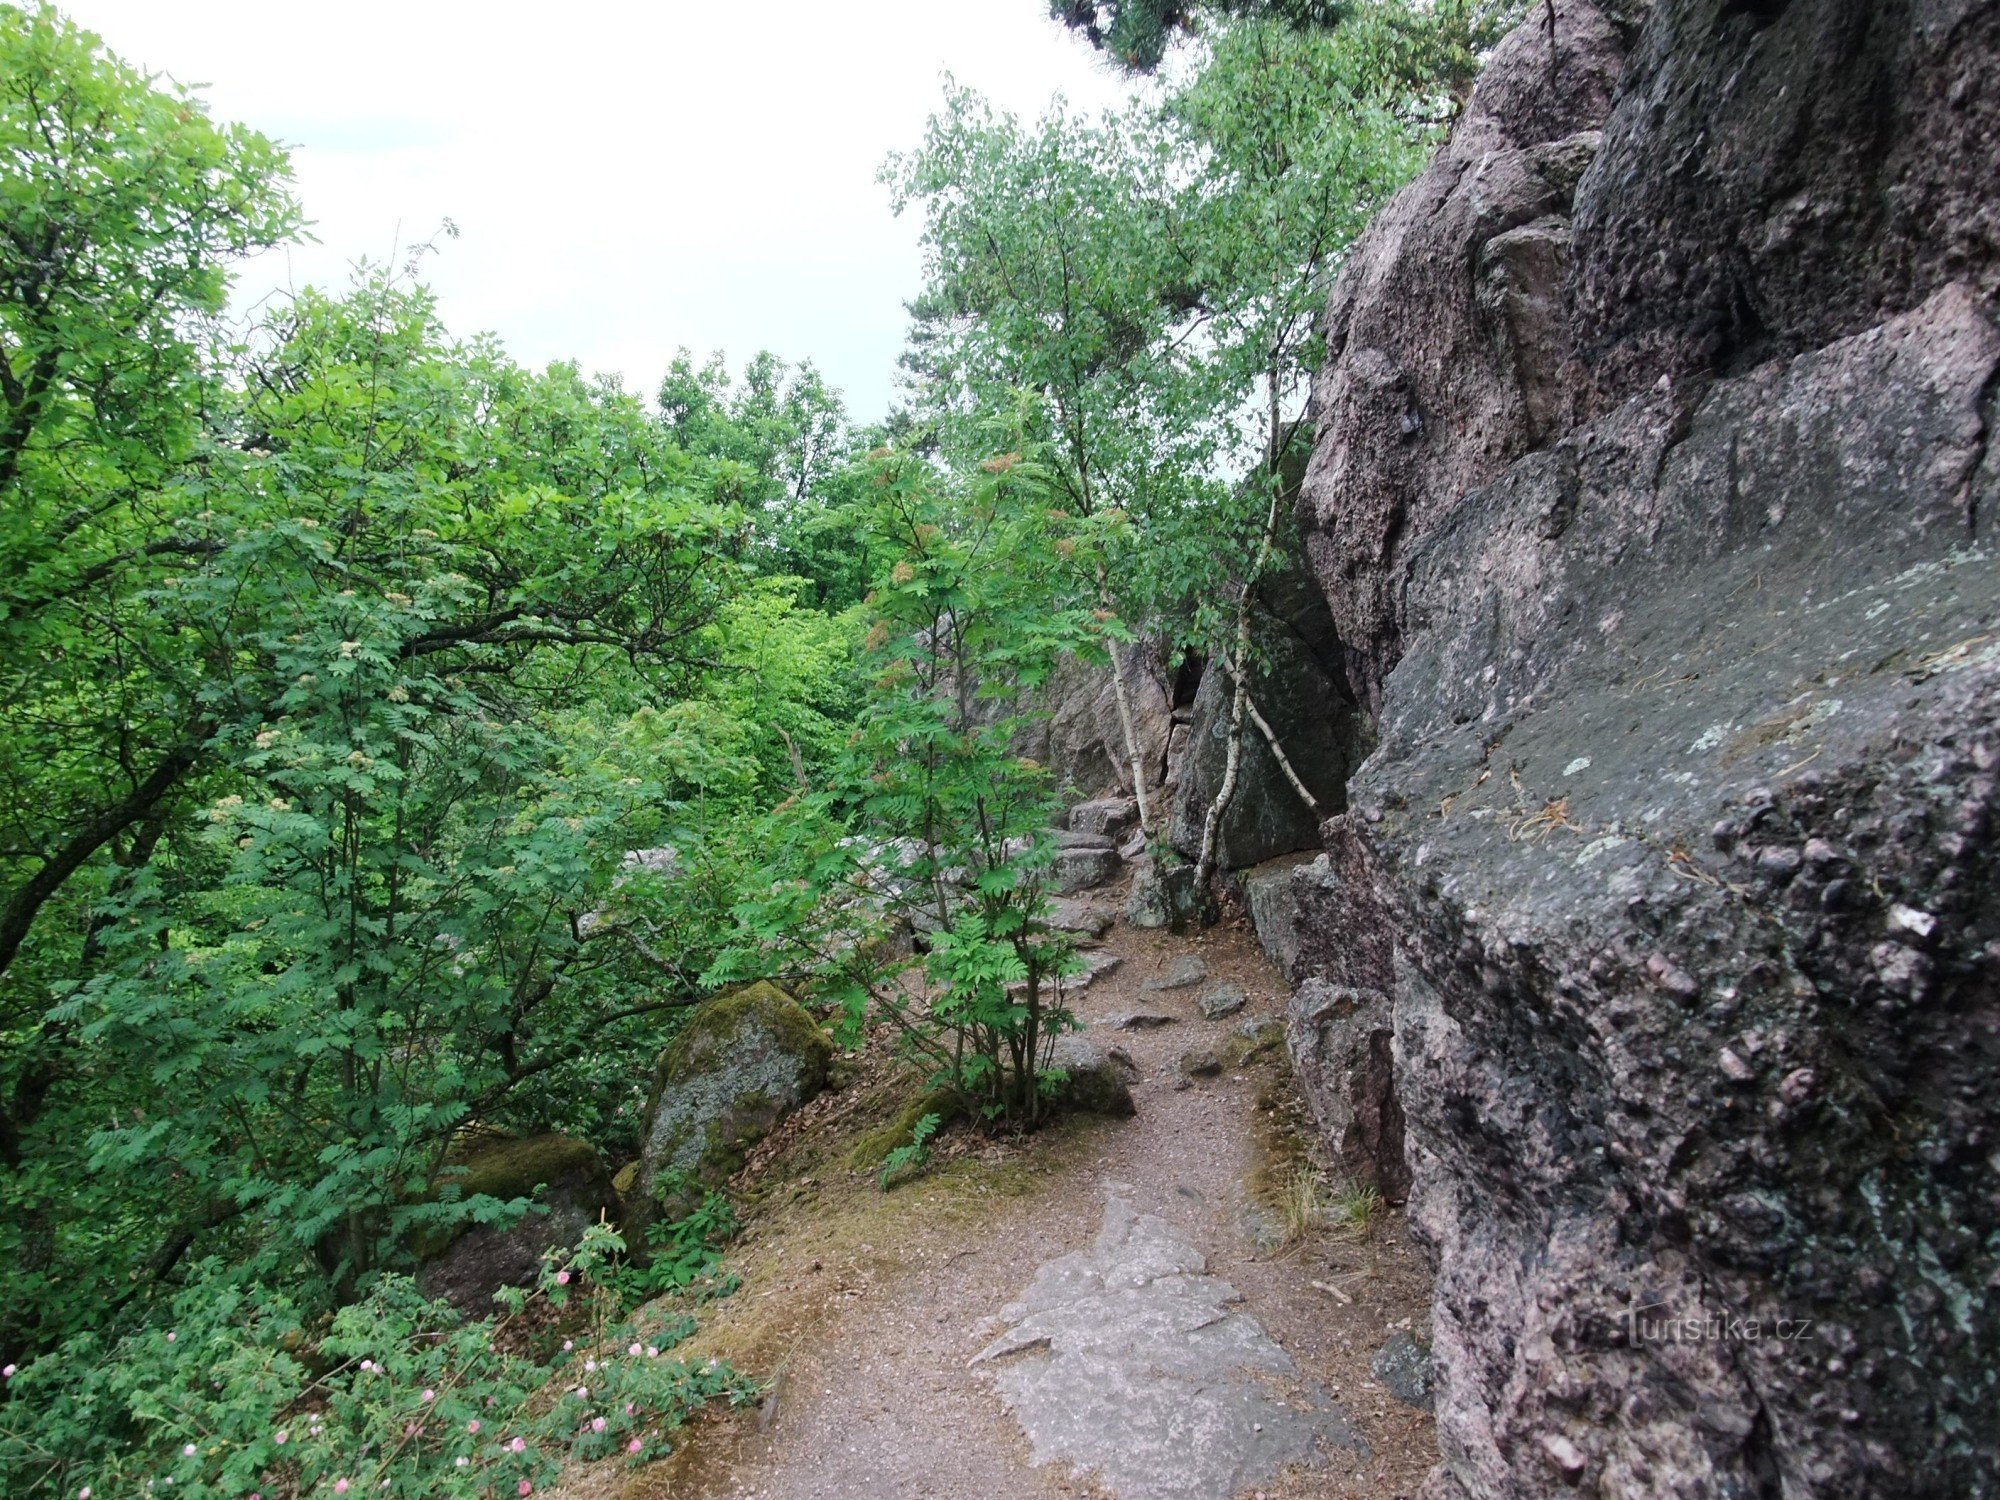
(744, 1060)
(570, 1187)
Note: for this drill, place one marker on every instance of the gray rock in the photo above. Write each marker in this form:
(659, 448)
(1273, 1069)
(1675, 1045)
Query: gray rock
(1083, 869)
(1098, 1079)
(1109, 817)
(1185, 972)
(1066, 838)
(1404, 1367)
(742, 1062)
(1140, 1020)
(1146, 905)
(1342, 1044)
(1276, 894)
(1222, 1000)
(1199, 1063)
(1079, 917)
(1074, 727)
(1133, 1366)
(1302, 696)
(570, 1188)
(1096, 964)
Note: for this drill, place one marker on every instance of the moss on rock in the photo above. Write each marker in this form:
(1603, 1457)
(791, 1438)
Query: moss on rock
(571, 1190)
(744, 1060)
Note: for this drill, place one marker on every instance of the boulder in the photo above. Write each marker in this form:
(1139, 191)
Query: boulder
(1077, 917)
(1220, 1001)
(1110, 817)
(1083, 869)
(1098, 1080)
(1670, 882)
(1296, 683)
(1271, 892)
(743, 1061)
(1147, 904)
(570, 1190)
(1186, 971)
(1341, 1042)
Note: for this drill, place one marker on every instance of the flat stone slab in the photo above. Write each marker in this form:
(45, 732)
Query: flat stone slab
(1096, 964)
(1080, 917)
(1185, 972)
(1223, 1000)
(1132, 1365)
(1139, 1020)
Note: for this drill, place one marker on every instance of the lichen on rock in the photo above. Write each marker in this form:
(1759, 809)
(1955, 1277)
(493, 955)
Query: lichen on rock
(744, 1060)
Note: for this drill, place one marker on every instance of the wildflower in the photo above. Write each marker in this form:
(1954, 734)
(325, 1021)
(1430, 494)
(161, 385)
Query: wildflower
(340, 1486)
(597, 1424)
(525, 1488)
(519, 1445)
(590, 1364)
(633, 1351)
(473, 1425)
(651, 1352)
(633, 1446)
(430, 1396)
(84, 1493)
(188, 1451)
(367, 1364)
(568, 1344)
(562, 1278)
(7, 1373)
(629, 1411)
(460, 1462)
(280, 1439)
(225, 802)
(583, 1393)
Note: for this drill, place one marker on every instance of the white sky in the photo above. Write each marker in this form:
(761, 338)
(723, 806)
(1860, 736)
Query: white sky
(627, 176)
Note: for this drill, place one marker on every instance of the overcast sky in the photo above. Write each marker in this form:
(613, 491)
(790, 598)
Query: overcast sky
(628, 176)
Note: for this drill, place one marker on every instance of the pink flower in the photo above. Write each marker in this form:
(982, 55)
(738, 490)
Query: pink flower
(280, 1438)
(188, 1451)
(170, 1338)
(82, 1494)
(6, 1372)
(562, 1279)
(473, 1425)
(590, 1364)
(628, 1408)
(568, 1344)
(597, 1424)
(633, 1351)
(519, 1445)
(340, 1486)
(583, 1393)
(634, 1446)
(651, 1352)
(430, 1396)
(525, 1488)
(461, 1461)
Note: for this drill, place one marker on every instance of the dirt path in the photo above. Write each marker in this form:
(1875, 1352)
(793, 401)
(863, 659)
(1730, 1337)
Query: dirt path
(868, 1306)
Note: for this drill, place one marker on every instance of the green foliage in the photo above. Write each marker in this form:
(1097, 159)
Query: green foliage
(681, 1254)
(911, 1158)
(240, 1393)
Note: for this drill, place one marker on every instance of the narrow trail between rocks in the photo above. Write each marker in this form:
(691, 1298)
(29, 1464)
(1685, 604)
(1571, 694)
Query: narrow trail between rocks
(1179, 1351)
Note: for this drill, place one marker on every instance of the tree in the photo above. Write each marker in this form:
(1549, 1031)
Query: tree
(1053, 277)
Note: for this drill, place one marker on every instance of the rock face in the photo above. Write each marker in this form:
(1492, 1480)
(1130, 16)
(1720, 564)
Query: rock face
(1299, 687)
(1651, 498)
(743, 1061)
(1081, 740)
(570, 1188)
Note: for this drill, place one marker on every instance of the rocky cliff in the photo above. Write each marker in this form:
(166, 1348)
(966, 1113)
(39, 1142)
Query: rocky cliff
(1652, 498)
